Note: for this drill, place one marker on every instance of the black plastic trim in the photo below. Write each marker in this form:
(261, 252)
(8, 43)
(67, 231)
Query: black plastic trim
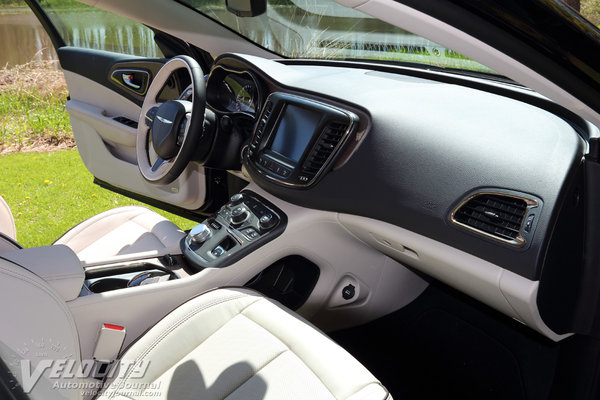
(98, 66)
(11, 241)
(300, 275)
(424, 152)
(259, 242)
(55, 37)
(564, 281)
(10, 389)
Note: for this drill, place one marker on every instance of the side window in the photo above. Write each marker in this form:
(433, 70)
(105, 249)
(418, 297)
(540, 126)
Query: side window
(89, 27)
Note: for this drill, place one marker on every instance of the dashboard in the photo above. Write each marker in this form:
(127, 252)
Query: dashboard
(491, 169)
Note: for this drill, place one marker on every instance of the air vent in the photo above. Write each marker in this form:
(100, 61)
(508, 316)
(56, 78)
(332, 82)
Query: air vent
(328, 141)
(497, 215)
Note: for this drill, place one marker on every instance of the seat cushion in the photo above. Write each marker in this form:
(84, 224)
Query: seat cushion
(236, 344)
(122, 230)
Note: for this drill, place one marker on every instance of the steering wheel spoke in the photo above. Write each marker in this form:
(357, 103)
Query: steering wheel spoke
(171, 133)
(150, 116)
(159, 161)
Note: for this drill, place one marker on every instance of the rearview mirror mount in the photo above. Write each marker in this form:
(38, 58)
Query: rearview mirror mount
(246, 8)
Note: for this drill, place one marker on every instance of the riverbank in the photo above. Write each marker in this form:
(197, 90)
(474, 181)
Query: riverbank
(32, 109)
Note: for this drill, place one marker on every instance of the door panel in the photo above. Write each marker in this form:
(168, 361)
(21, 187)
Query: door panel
(101, 112)
(91, 45)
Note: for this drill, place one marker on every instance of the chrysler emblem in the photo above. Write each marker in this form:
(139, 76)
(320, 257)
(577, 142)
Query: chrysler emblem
(164, 120)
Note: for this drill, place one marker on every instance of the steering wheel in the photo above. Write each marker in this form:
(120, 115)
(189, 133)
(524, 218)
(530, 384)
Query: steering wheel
(169, 134)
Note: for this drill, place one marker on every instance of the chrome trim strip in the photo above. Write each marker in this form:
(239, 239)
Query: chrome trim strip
(519, 241)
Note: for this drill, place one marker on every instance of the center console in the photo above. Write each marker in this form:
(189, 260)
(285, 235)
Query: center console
(242, 225)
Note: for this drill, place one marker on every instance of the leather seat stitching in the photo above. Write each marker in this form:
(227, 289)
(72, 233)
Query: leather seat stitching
(109, 232)
(176, 324)
(91, 221)
(257, 372)
(385, 391)
(293, 352)
(192, 350)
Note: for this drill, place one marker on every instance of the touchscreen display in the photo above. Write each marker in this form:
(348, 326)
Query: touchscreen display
(295, 130)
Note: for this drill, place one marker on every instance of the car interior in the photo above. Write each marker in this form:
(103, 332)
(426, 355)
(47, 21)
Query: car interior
(366, 229)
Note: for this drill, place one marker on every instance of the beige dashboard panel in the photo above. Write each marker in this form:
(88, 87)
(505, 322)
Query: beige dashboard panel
(507, 292)
(384, 285)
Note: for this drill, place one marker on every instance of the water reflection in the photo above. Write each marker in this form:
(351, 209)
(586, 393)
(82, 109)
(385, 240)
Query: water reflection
(101, 30)
(22, 39)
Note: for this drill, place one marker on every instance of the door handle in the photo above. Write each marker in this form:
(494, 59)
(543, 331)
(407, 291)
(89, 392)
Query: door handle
(128, 80)
(133, 79)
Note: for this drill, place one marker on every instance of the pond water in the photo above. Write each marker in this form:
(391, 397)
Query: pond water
(22, 39)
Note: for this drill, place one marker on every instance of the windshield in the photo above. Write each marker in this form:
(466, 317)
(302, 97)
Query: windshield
(323, 29)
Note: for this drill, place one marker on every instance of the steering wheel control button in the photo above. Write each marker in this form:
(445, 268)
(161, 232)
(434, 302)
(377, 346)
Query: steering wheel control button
(267, 221)
(239, 215)
(200, 233)
(348, 292)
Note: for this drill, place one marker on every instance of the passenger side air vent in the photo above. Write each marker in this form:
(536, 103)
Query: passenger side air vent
(501, 216)
(322, 150)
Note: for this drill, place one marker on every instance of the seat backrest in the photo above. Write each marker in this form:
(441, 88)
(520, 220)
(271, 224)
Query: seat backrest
(7, 223)
(37, 332)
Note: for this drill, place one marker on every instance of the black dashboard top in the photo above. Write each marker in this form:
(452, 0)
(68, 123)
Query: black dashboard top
(422, 146)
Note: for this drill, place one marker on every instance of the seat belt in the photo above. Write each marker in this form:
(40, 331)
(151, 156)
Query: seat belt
(108, 345)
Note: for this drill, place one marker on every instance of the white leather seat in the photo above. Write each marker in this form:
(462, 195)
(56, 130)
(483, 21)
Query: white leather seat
(8, 231)
(122, 230)
(225, 344)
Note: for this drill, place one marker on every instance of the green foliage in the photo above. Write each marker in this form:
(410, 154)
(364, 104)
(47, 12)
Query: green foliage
(590, 9)
(32, 105)
(49, 193)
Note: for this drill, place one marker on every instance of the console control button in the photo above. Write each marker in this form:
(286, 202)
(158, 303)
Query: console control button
(239, 215)
(218, 251)
(267, 221)
(214, 224)
(250, 233)
(236, 199)
(348, 292)
(200, 233)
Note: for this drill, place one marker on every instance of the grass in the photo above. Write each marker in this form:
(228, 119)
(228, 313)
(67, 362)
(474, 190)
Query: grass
(32, 106)
(49, 193)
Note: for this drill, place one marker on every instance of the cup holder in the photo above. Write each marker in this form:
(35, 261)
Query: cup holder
(107, 284)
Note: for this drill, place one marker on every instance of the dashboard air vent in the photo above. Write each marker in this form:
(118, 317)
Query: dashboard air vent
(328, 141)
(496, 215)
